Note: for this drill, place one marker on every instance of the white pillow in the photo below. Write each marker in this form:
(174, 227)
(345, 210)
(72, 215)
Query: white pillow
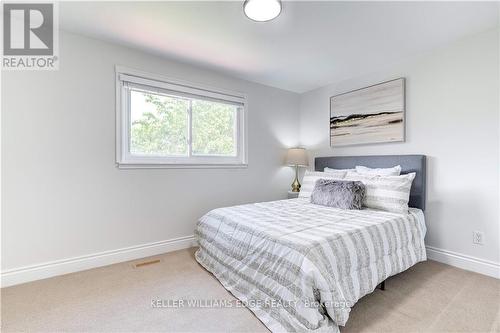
(389, 193)
(327, 169)
(394, 171)
(310, 178)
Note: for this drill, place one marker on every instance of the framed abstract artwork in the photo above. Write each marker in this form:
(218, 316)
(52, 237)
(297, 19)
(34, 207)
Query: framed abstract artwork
(374, 114)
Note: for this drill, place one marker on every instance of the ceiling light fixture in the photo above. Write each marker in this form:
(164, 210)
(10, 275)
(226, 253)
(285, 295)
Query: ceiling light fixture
(262, 10)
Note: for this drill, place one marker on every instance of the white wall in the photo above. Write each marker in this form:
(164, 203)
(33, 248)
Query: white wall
(452, 116)
(62, 194)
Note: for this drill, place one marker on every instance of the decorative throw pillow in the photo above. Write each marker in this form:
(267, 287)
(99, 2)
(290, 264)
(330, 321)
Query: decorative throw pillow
(394, 171)
(327, 169)
(310, 178)
(389, 193)
(338, 193)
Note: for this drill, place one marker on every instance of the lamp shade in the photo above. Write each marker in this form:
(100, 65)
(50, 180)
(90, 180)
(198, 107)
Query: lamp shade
(297, 156)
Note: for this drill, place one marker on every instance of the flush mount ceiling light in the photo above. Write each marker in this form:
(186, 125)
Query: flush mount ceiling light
(262, 10)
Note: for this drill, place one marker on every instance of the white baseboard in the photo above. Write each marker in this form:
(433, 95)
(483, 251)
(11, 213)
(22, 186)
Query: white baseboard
(59, 267)
(463, 261)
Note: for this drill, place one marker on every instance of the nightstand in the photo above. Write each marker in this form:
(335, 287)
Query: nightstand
(293, 195)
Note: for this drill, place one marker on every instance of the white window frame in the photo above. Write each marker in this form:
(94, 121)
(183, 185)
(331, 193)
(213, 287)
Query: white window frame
(124, 159)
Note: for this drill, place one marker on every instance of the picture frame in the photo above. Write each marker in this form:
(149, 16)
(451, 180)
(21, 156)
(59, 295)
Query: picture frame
(373, 114)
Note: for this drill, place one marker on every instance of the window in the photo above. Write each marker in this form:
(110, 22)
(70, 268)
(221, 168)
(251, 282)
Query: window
(167, 123)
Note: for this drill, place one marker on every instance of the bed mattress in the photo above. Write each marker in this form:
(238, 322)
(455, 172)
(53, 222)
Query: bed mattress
(301, 267)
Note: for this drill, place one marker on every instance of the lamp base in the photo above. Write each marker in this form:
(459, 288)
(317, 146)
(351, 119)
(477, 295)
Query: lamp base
(296, 183)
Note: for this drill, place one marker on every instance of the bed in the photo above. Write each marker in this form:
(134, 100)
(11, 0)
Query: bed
(301, 267)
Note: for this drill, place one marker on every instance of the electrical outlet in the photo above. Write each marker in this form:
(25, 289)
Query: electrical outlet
(478, 237)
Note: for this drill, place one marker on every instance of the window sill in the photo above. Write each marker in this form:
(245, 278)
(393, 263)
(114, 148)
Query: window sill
(180, 166)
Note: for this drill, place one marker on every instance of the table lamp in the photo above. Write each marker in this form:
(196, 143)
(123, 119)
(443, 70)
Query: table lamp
(296, 157)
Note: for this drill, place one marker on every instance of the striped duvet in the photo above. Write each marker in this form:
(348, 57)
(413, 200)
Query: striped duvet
(301, 267)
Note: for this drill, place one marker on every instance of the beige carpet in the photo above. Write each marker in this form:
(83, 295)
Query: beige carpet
(430, 297)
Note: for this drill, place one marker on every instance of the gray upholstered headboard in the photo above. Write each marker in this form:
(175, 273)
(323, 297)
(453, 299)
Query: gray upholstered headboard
(409, 163)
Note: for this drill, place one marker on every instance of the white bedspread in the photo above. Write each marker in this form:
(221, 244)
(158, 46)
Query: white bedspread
(301, 267)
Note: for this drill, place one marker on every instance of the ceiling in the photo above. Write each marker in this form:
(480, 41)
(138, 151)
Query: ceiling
(311, 44)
